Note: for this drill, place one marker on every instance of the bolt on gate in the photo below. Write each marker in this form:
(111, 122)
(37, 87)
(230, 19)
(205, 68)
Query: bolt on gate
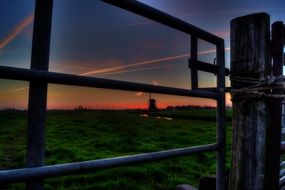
(39, 76)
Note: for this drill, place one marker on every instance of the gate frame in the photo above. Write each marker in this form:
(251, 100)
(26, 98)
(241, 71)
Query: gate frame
(39, 74)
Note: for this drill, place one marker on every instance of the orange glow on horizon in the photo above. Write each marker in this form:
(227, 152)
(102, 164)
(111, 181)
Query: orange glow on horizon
(119, 106)
(110, 106)
(66, 97)
(161, 104)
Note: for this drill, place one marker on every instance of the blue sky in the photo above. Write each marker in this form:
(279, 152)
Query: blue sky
(96, 39)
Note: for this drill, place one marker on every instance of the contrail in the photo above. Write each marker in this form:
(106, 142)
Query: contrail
(130, 70)
(19, 89)
(23, 88)
(16, 31)
(113, 69)
(116, 70)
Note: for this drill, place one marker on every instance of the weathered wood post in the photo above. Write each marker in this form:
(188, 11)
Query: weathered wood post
(272, 166)
(250, 59)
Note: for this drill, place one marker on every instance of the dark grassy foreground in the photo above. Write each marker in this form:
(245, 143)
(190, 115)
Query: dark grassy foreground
(85, 135)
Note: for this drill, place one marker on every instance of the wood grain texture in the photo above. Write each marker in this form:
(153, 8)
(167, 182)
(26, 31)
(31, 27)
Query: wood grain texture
(272, 166)
(250, 39)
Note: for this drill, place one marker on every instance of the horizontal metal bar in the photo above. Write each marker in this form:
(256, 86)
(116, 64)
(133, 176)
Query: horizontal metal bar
(76, 80)
(227, 89)
(163, 18)
(16, 175)
(207, 67)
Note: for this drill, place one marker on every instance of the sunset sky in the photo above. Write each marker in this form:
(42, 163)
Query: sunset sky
(92, 38)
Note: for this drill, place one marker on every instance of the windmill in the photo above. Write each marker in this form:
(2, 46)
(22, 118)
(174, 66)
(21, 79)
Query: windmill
(151, 104)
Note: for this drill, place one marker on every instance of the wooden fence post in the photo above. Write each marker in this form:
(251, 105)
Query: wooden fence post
(250, 58)
(272, 166)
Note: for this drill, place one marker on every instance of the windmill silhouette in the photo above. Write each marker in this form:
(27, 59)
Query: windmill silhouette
(151, 104)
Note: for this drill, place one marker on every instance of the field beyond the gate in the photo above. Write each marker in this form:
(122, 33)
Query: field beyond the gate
(73, 136)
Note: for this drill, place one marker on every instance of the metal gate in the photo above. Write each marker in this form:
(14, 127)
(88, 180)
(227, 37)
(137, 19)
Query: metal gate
(39, 76)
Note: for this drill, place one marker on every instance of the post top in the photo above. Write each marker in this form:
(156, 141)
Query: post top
(259, 16)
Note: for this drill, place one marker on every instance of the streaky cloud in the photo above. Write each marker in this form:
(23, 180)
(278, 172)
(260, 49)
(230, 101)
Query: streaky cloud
(16, 31)
(159, 60)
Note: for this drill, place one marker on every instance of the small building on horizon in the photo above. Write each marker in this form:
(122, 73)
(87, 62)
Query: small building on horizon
(151, 104)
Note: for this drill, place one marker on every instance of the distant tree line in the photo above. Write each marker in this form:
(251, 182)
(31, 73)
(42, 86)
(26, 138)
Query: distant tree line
(188, 107)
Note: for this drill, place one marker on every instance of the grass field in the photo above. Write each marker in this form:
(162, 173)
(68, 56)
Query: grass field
(86, 135)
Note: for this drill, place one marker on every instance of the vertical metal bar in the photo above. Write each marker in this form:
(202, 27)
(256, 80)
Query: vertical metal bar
(273, 141)
(221, 121)
(194, 71)
(38, 90)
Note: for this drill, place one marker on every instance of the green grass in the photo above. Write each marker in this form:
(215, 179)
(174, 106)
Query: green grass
(73, 136)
